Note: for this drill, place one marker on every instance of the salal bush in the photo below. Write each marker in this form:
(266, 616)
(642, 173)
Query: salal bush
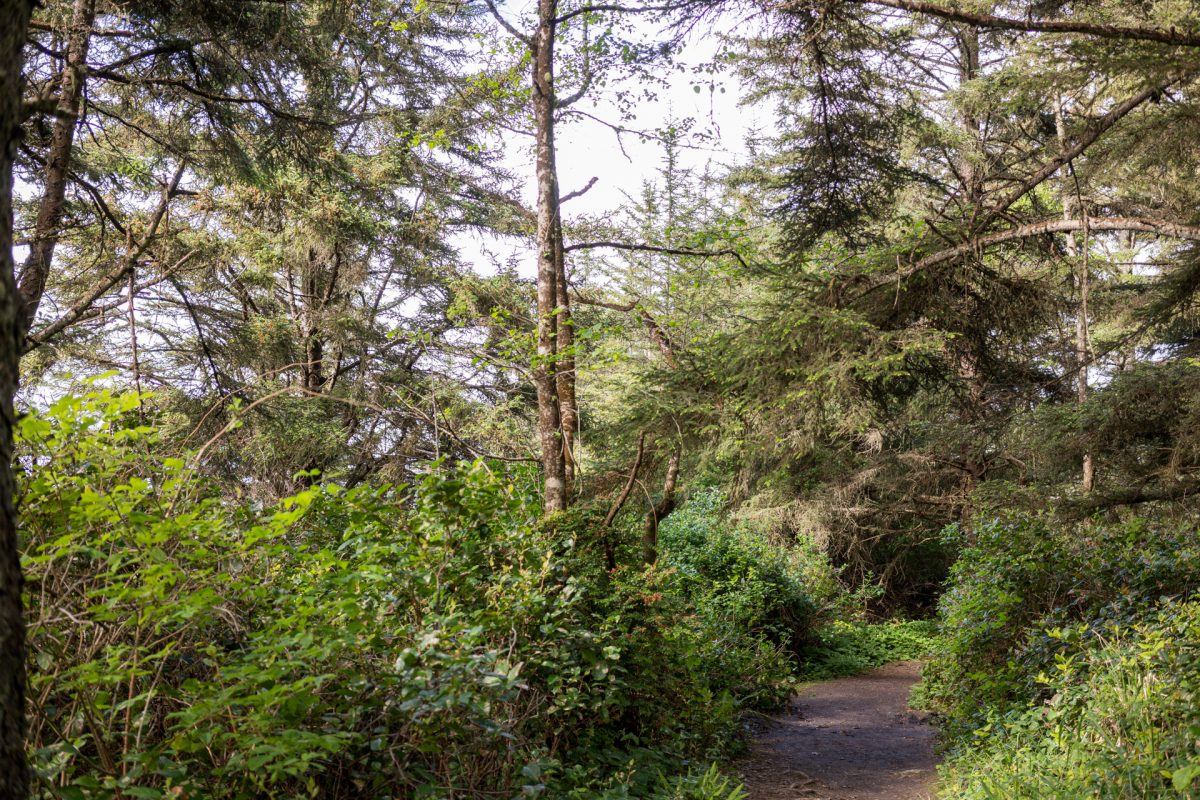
(1019, 577)
(430, 641)
(1122, 721)
(1070, 660)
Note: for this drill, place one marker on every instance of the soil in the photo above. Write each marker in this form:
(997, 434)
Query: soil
(847, 739)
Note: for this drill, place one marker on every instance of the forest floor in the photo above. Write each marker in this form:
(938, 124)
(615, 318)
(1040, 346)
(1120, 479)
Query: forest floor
(846, 739)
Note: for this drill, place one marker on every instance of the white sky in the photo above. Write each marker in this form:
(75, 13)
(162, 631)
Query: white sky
(588, 149)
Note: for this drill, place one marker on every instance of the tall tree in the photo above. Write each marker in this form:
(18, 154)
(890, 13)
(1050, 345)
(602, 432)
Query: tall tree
(554, 368)
(14, 774)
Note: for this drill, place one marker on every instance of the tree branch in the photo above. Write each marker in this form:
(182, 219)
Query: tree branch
(617, 8)
(1135, 496)
(578, 192)
(115, 274)
(588, 301)
(79, 309)
(1091, 133)
(1100, 30)
(1157, 227)
(508, 26)
(648, 248)
(657, 334)
(624, 495)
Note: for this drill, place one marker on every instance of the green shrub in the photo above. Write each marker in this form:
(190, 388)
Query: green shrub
(1122, 722)
(437, 640)
(1070, 661)
(1023, 576)
(848, 648)
(371, 642)
(740, 580)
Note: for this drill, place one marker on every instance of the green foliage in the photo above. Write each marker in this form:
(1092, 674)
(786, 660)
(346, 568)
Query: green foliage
(1021, 576)
(741, 581)
(422, 641)
(1121, 723)
(1071, 660)
(848, 648)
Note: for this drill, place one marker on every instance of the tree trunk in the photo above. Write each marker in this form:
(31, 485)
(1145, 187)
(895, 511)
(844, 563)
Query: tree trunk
(567, 406)
(660, 510)
(968, 70)
(1082, 348)
(36, 269)
(971, 177)
(1083, 283)
(14, 771)
(549, 252)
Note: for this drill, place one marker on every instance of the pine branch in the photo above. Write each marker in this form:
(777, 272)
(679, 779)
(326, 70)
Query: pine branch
(1170, 36)
(1158, 227)
(648, 248)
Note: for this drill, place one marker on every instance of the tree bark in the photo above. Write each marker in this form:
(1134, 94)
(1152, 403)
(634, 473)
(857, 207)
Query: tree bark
(1083, 283)
(14, 770)
(660, 510)
(1082, 349)
(549, 254)
(968, 70)
(565, 344)
(973, 402)
(36, 269)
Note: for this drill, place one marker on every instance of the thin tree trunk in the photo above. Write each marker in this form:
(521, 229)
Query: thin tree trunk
(968, 70)
(567, 405)
(610, 550)
(1082, 349)
(36, 269)
(974, 462)
(1083, 283)
(14, 770)
(549, 251)
(660, 510)
(135, 364)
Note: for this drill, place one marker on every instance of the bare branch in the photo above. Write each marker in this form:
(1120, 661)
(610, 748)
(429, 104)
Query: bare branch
(114, 275)
(624, 495)
(578, 192)
(648, 248)
(508, 26)
(79, 309)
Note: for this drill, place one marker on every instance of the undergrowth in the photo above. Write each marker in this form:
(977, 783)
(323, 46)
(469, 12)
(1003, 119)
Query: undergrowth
(1071, 662)
(429, 641)
(848, 648)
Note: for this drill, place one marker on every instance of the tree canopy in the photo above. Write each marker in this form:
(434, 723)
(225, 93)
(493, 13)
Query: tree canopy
(420, 474)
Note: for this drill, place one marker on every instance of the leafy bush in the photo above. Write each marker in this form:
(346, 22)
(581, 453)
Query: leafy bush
(1070, 664)
(1023, 576)
(742, 581)
(429, 641)
(1122, 722)
(848, 648)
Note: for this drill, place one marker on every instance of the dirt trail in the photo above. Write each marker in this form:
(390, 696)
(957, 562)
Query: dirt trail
(847, 739)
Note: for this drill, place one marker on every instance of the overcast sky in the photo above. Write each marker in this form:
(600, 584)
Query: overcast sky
(621, 164)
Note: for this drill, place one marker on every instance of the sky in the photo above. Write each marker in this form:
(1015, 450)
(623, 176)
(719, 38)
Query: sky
(623, 163)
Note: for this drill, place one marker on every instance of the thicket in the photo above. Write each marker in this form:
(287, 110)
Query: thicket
(435, 640)
(1070, 664)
